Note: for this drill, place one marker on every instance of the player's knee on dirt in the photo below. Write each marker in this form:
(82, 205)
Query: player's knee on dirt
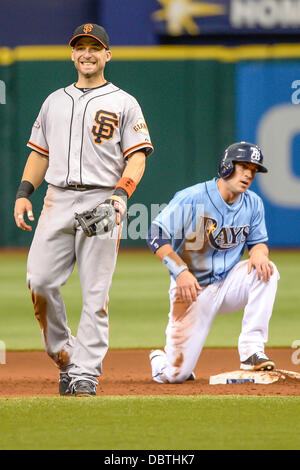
(179, 377)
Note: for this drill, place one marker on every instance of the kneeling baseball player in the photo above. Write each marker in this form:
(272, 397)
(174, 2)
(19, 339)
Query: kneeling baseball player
(201, 237)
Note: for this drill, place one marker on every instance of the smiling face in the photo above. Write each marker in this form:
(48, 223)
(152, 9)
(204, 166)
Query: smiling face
(90, 58)
(240, 180)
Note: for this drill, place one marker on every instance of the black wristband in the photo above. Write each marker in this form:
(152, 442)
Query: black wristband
(121, 192)
(25, 189)
(157, 238)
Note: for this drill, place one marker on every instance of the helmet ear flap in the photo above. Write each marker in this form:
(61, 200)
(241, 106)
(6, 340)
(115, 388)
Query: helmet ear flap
(226, 168)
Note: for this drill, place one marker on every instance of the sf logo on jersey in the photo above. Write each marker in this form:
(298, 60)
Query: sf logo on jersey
(106, 125)
(224, 238)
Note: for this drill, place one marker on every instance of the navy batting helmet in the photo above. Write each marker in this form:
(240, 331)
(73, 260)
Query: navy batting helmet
(240, 152)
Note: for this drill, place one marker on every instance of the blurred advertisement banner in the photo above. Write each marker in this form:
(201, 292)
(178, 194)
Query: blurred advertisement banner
(268, 114)
(192, 17)
(136, 22)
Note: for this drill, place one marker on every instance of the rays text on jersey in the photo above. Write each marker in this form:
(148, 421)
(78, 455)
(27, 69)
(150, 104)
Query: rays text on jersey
(224, 238)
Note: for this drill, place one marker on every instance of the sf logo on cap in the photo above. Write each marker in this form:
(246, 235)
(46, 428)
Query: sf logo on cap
(88, 28)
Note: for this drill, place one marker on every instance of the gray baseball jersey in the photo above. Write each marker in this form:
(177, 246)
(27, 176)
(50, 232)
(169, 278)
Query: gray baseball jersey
(88, 135)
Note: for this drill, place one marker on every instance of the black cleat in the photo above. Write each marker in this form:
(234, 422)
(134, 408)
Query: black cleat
(64, 384)
(191, 377)
(258, 361)
(84, 388)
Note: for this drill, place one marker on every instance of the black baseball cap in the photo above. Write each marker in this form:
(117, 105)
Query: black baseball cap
(93, 31)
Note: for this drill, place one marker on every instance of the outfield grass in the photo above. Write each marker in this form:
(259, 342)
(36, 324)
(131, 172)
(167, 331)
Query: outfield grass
(151, 423)
(139, 304)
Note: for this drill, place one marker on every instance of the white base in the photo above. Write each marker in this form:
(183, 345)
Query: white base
(257, 377)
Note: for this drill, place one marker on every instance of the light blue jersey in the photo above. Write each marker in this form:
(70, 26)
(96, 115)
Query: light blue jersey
(207, 233)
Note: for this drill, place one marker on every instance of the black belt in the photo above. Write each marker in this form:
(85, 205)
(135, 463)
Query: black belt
(85, 187)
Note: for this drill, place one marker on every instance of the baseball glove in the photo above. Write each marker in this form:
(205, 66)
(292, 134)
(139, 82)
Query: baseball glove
(104, 217)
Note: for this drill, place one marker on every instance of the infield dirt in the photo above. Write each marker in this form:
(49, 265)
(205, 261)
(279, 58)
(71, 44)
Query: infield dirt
(128, 372)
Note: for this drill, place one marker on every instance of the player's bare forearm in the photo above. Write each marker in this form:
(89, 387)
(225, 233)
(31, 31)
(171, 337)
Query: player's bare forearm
(165, 250)
(187, 285)
(135, 167)
(35, 169)
(261, 248)
(34, 172)
(259, 259)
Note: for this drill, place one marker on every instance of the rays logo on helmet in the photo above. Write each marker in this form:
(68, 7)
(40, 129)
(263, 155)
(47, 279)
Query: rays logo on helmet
(255, 155)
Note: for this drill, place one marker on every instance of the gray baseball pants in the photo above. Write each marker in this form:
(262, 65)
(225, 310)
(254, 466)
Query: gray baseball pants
(57, 245)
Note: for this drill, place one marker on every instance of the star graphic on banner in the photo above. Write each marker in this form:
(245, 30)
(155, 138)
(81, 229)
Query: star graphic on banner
(179, 15)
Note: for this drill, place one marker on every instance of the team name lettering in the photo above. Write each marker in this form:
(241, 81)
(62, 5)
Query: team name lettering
(106, 126)
(266, 14)
(224, 238)
(140, 126)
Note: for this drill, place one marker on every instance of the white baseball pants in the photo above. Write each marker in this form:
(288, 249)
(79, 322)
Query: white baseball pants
(189, 326)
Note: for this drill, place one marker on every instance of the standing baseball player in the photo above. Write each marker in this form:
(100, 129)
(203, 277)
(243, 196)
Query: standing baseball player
(89, 142)
(200, 237)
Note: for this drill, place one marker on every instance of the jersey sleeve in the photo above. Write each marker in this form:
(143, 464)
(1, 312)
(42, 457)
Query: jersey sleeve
(134, 133)
(258, 231)
(37, 140)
